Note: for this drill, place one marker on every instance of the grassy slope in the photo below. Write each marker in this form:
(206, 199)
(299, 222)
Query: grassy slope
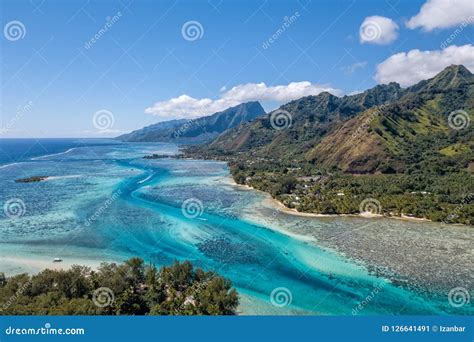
(406, 139)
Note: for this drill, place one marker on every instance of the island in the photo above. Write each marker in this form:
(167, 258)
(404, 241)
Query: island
(32, 179)
(388, 151)
(157, 156)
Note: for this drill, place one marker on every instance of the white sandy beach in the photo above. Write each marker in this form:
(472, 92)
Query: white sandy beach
(274, 203)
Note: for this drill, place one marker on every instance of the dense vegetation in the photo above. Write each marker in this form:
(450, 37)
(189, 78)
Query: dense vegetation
(398, 146)
(446, 198)
(132, 288)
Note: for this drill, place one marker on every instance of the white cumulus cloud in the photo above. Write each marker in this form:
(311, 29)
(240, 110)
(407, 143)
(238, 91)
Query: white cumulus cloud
(378, 30)
(185, 106)
(408, 68)
(439, 14)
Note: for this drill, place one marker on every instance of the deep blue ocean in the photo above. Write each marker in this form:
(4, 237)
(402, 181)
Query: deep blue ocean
(104, 202)
(17, 150)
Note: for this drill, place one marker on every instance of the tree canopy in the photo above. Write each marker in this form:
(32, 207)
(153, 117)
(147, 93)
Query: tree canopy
(131, 288)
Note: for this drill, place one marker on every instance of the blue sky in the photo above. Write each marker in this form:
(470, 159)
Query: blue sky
(53, 82)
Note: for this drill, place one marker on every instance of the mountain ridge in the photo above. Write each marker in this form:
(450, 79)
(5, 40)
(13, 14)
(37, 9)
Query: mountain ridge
(407, 151)
(198, 130)
(315, 120)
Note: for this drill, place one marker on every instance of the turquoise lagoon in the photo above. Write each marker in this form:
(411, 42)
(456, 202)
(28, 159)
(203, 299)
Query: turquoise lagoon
(104, 202)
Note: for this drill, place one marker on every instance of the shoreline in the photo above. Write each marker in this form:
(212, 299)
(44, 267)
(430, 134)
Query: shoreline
(32, 265)
(272, 202)
(368, 248)
(15, 258)
(414, 264)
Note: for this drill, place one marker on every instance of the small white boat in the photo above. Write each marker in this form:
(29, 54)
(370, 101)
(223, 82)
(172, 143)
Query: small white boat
(57, 260)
